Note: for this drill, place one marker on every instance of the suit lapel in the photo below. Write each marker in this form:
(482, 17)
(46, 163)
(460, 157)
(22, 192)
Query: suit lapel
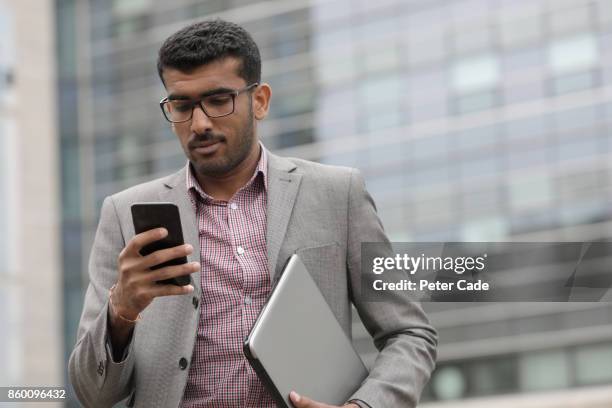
(175, 191)
(283, 186)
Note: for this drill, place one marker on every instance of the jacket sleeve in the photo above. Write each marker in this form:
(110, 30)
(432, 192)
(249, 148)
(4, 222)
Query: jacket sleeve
(397, 323)
(98, 380)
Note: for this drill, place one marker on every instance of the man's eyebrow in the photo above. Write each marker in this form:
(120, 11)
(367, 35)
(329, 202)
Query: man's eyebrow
(173, 97)
(220, 90)
(215, 91)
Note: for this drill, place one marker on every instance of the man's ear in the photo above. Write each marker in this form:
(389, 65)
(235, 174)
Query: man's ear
(261, 100)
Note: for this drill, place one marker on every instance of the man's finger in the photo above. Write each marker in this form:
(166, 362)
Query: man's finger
(167, 254)
(299, 401)
(170, 290)
(173, 271)
(144, 238)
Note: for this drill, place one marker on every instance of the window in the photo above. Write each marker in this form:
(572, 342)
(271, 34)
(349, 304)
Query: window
(336, 113)
(530, 193)
(384, 155)
(426, 149)
(576, 120)
(493, 376)
(131, 16)
(428, 94)
(449, 383)
(380, 118)
(584, 147)
(594, 364)
(425, 35)
(381, 99)
(425, 48)
(381, 91)
(381, 58)
(515, 32)
(573, 82)
(530, 371)
(573, 54)
(331, 70)
(527, 129)
(522, 157)
(130, 8)
(469, 39)
(475, 139)
(474, 81)
(479, 167)
(475, 74)
(476, 102)
(491, 228)
(544, 370)
(570, 19)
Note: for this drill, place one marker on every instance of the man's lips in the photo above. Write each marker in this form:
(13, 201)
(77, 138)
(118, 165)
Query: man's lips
(205, 144)
(206, 147)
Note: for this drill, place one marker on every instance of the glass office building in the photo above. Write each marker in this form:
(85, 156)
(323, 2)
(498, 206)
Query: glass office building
(472, 120)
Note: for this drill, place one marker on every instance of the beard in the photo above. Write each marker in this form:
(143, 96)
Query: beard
(234, 155)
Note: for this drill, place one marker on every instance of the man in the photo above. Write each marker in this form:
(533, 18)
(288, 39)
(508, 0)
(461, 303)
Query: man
(244, 211)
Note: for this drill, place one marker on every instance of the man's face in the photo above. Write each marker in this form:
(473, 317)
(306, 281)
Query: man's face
(214, 146)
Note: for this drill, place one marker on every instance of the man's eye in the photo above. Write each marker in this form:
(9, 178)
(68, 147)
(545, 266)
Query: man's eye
(182, 106)
(218, 100)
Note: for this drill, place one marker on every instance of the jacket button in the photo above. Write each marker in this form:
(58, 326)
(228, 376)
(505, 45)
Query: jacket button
(195, 302)
(183, 363)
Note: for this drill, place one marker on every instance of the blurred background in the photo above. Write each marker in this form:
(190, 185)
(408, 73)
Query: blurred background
(472, 120)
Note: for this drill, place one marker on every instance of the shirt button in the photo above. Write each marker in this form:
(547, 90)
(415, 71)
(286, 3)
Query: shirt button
(195, 302)
(247, 300)
(233, 206)
(183, 363)
(240, 250)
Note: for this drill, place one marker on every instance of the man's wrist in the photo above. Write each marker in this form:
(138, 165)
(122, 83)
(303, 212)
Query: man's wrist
(118, 314)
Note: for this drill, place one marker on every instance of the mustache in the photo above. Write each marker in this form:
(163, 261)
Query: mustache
(196, 140)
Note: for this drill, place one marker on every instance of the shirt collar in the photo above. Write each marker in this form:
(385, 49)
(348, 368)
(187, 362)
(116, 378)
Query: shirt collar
(194, 189)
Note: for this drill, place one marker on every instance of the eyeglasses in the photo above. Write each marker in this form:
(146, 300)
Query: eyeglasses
(214, 106)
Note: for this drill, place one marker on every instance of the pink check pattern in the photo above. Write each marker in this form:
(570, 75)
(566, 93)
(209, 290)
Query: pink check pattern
(235, 285)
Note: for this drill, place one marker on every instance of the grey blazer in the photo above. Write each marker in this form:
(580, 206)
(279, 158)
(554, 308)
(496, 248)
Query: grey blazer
(321, 212)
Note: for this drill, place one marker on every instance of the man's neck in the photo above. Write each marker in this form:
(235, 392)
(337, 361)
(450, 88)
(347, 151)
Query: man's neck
(224, 187)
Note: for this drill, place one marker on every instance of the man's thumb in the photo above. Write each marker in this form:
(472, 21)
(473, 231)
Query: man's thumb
(298, 400)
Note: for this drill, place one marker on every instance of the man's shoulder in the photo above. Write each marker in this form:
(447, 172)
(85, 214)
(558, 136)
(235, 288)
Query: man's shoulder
(321, 170)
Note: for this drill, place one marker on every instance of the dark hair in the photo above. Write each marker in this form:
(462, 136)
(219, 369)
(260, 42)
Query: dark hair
(207, 41)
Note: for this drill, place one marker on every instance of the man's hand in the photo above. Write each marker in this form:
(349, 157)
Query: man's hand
(303, 402)
(137, 284)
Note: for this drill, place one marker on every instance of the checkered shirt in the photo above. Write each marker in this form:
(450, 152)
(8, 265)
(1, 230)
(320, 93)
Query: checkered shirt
(235, 285)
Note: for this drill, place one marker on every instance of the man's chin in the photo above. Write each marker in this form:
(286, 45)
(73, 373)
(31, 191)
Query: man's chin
(211, 167)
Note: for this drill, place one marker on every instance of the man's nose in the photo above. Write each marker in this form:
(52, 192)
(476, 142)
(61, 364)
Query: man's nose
(200, 123)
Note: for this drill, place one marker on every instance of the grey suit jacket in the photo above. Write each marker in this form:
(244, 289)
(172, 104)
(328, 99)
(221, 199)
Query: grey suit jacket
(323, 213)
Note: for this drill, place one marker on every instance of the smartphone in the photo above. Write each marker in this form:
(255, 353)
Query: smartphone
(147, 216)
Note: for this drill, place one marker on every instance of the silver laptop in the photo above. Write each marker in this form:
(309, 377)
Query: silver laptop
(297, 343)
